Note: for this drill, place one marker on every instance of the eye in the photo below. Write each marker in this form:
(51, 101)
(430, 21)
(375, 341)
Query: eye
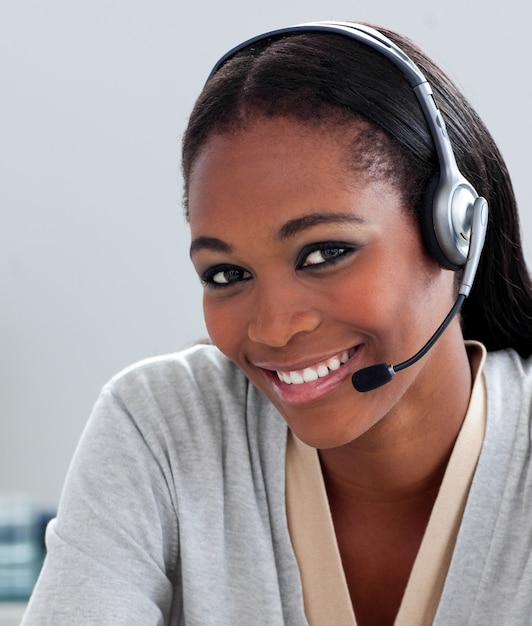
(221, 276)
(325, 253)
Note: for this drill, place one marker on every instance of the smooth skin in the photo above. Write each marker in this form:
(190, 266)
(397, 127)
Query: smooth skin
(305, 258)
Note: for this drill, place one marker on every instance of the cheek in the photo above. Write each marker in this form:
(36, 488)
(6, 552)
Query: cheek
(224, 325)
(389, 299)
(369, 296)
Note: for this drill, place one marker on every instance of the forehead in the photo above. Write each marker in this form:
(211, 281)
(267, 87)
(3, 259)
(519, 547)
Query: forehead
(274, 164)
(277, 137)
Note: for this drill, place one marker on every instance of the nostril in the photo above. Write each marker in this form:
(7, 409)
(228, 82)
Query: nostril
(277, 329)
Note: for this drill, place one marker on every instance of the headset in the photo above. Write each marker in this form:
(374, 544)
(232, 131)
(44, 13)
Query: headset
(455, 221)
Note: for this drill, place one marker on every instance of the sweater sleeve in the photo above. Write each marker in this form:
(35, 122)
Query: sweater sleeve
(173, 508)
(112, 551)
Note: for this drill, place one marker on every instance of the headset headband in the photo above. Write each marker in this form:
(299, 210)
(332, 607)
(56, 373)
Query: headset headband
(449, 228)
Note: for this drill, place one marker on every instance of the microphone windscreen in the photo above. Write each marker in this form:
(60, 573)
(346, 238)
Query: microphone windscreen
(372, 377)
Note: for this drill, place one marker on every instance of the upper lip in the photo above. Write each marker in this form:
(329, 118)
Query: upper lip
(300, 365)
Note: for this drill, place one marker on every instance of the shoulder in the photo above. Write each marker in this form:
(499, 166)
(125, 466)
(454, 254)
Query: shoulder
(490, 574)
(199, 374)
(506, 370)
(510, 359)
(508, 379)
(170, 399)
(198, 359)
(180, 414)
(197, 392)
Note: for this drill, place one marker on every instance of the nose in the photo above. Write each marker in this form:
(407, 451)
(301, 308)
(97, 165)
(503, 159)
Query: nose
(280, 315)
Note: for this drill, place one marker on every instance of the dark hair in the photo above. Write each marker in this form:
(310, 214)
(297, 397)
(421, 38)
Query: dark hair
(323, 78)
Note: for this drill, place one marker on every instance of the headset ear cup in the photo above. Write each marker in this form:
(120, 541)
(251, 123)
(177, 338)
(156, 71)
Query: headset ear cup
(427, 224)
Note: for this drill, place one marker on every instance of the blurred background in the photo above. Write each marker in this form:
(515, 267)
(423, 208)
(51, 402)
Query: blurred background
(94, 270)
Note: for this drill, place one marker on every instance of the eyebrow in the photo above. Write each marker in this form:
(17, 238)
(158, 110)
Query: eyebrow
(292, 227)
(288, 230)
(209, 243)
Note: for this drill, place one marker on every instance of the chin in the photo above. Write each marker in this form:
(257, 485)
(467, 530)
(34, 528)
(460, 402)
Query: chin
(325, 428)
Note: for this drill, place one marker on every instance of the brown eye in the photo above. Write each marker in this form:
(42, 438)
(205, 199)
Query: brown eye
(224, 275)
(324, 254)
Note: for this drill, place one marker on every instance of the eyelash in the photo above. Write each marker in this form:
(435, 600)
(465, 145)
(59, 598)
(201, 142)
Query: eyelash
(207, 277)
(340, 251)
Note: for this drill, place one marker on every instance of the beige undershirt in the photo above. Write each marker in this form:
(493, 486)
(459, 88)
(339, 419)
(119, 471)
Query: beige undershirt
(325, 591)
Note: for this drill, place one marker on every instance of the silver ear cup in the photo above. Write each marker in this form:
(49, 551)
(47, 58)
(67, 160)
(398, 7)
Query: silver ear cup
(452, 215)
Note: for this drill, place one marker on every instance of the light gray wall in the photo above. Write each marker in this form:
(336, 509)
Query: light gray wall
(94, 96)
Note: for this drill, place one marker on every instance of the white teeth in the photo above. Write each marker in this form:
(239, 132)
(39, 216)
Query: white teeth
(323, 371)
(310, 374)
(334, 363)
(296, 378)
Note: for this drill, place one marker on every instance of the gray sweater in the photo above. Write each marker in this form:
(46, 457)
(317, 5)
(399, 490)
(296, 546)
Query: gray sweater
(173, 510)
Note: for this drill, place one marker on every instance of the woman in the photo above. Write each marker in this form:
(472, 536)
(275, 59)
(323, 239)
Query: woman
(248, 482)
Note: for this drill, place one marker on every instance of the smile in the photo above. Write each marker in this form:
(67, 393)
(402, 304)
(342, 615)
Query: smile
(314, 372)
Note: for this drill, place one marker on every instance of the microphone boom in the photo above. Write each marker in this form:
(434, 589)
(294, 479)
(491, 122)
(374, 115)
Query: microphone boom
(374, 376)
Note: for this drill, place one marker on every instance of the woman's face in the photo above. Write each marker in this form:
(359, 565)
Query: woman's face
(311, 272)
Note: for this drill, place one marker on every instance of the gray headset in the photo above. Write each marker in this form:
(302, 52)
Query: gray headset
(455, 228)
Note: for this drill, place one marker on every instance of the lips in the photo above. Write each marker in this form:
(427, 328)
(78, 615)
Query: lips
(314, 372)
(313, 382)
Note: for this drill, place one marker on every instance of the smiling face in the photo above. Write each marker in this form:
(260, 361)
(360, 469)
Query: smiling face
(311, 272)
